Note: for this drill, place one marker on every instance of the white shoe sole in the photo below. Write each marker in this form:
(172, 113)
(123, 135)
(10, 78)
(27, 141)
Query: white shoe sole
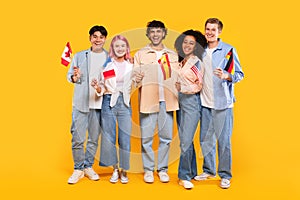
(225, 186)
(149, 181)
(198, 178)
(113, 181)
(124, 181)
(73, 182)
(185, 186)
(164, 181)
(93, 179)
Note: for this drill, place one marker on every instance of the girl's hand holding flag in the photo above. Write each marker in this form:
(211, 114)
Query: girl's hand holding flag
(95, 85)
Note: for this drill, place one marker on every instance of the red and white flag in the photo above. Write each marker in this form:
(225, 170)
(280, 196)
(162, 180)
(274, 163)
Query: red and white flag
(196, 71)
(66, 56)
(109, 74)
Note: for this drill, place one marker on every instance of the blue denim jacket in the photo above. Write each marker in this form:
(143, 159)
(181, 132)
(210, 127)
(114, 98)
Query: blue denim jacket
(223, 89)
(81, 89)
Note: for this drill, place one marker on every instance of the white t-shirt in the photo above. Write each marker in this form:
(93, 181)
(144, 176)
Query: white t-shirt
(121, 68)
(97, 61)
(207, 92)
(160, 77)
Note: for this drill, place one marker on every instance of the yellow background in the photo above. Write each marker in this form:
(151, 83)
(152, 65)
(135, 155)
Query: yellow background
(35, 145)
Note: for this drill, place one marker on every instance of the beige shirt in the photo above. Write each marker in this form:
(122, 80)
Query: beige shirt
(191, 77)
(145, 60)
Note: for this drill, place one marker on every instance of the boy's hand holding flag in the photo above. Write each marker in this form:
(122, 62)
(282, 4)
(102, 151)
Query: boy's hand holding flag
(165, 66)
(228, 68)
(230, 63)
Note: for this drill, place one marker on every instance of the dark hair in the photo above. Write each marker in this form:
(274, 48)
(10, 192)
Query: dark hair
(215, 21)
(156, 24)
(200, 43)
(101, 29)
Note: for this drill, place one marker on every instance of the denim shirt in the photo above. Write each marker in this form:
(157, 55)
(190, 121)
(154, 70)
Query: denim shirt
(224, 89)
(81, 89)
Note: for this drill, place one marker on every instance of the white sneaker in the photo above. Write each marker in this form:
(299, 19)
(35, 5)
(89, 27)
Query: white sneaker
(163, 177)
(115, 176)
(91, 174)
(148, 177)
(186, 184)
(76, 176)
(203, 176)
(124, 178)
(225, 183)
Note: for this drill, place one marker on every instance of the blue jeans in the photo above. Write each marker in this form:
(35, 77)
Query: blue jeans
(216, 126)
(148, 122)
(81, 122)
(110, 115)
(190, 108)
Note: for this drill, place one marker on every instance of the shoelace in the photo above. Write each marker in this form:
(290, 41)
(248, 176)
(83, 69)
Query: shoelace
(124, 174)
(75, 174)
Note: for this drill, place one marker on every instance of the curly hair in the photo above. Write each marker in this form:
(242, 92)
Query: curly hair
(156, 24)
(201, 43)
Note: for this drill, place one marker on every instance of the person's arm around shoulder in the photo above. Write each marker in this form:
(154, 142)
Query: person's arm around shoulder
(199, 81)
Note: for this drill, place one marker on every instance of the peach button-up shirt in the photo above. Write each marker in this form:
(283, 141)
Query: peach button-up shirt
(145, 61)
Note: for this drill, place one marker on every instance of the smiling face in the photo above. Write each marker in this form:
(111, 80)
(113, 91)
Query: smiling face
(212, 33)
(188, 45)
(156, 35)
(97, 41)
(119, 48)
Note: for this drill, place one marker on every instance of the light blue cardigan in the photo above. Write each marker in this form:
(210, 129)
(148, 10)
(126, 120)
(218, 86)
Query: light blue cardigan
(81, 89)
(223, 89)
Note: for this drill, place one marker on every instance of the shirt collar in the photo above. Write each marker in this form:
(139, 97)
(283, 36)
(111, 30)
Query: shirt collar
(220, 45)
(150, 50)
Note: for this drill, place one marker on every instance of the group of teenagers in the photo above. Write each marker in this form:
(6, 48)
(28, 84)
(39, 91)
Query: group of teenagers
(194, 83)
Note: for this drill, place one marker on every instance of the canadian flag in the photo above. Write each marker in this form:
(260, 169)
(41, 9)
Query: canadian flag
(66, 55)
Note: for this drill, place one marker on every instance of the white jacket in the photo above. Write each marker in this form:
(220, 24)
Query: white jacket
(109, 86)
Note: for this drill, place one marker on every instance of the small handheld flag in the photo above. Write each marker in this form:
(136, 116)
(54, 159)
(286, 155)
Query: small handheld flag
(109, 74)
(165, 66)
(66, 55)
(195, 68)
(230, 63)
